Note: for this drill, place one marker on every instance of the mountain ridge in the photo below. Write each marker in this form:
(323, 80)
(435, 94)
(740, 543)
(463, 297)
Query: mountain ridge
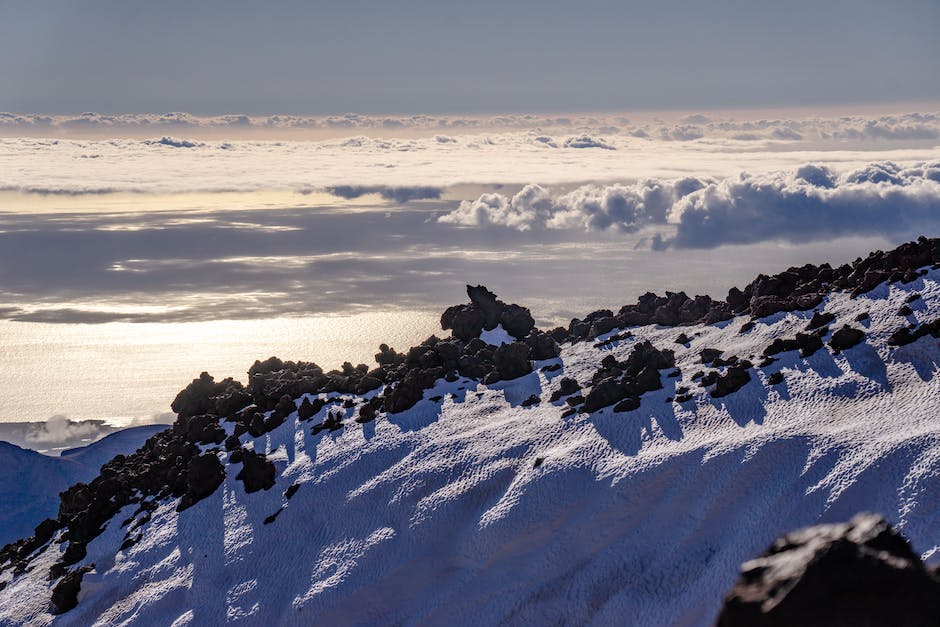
(482, 444)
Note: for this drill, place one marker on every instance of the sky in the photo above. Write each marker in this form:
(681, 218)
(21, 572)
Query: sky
(374, 56)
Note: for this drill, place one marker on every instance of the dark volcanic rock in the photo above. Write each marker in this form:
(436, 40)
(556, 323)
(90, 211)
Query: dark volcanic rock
(806, 343)
(846, 337)
(487, 303)
(565, 387)
(512, 361)
(204, 475)
(532, 400)
(775, 378)
(733, 380)
(257, 473)
(517, 321)
(465, 321)
(541, 346)
(65, 593)
(607, 392)
(410, 389)
(709, 355)
(204, 395)
(906, 335)
(820, 320)
(858, 573)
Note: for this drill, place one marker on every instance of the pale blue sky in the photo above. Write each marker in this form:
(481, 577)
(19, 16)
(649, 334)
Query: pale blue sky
(376, 56)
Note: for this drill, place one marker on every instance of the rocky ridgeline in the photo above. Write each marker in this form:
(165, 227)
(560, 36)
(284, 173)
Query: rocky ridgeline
(858, 573)
(183, 462)
(796, 289)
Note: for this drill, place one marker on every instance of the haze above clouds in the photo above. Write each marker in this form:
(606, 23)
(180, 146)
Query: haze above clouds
(235, 56)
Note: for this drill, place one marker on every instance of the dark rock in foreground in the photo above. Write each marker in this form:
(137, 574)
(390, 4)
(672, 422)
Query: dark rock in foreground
(857, 573)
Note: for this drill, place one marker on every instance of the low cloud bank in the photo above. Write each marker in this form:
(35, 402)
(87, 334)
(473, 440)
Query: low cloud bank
(395, 194)
(809, 204)
(900, 127)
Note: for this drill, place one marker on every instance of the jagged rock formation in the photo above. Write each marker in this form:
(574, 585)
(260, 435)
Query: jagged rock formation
(796, 289)
(858, 573)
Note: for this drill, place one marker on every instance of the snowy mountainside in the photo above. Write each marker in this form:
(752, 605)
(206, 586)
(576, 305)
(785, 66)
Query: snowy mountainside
(32, 481)
(476, 497)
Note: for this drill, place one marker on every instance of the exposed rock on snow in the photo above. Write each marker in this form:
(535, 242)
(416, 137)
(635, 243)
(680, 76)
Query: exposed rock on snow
(420, 498)
(859, 573)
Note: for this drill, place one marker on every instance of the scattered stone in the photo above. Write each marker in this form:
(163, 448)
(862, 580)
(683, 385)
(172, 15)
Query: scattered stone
(332, 422)
(746, 327)
(775, 378)
(820, 320)
(733, 380)
(270, 519)
(846, 337)
(532, 400)
(682, 339)
(538, 462)
(905, 310)
(862, 317)
(907, 335)
(566, 387)
(291, 490)
(709, 355)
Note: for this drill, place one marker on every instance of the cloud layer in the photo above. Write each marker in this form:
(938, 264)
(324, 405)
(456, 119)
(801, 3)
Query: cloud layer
(896, 127)
(810, 203)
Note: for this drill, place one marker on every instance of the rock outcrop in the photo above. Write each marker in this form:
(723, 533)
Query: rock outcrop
(858, 573)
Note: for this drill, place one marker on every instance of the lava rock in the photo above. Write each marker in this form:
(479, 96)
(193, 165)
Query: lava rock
(541, 346)
(604, 394)
(627, 404)
(857, 573)
(512, 361)
(517, 321)
(532, 400)
(204, 475)
(257, 472)
(733, 380)
(709, 355)
(846, 337)
(820, 320)
(566, 387)
(65, 593)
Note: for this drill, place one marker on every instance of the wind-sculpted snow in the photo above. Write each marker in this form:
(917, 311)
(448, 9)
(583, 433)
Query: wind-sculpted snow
(811, 203)
(480, 505)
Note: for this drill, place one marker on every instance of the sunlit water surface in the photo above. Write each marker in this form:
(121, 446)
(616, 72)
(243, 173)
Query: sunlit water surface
(130, 372)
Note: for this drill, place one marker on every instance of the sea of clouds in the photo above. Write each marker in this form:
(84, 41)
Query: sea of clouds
(894, 127)
(811, 202)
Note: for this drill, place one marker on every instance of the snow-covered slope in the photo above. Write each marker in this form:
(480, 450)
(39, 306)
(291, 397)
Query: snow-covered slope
(481, 505)
(32, 481)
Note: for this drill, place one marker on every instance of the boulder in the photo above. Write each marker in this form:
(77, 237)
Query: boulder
(512, 360)
(257, 472)
(846, 337)
(856, 573)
